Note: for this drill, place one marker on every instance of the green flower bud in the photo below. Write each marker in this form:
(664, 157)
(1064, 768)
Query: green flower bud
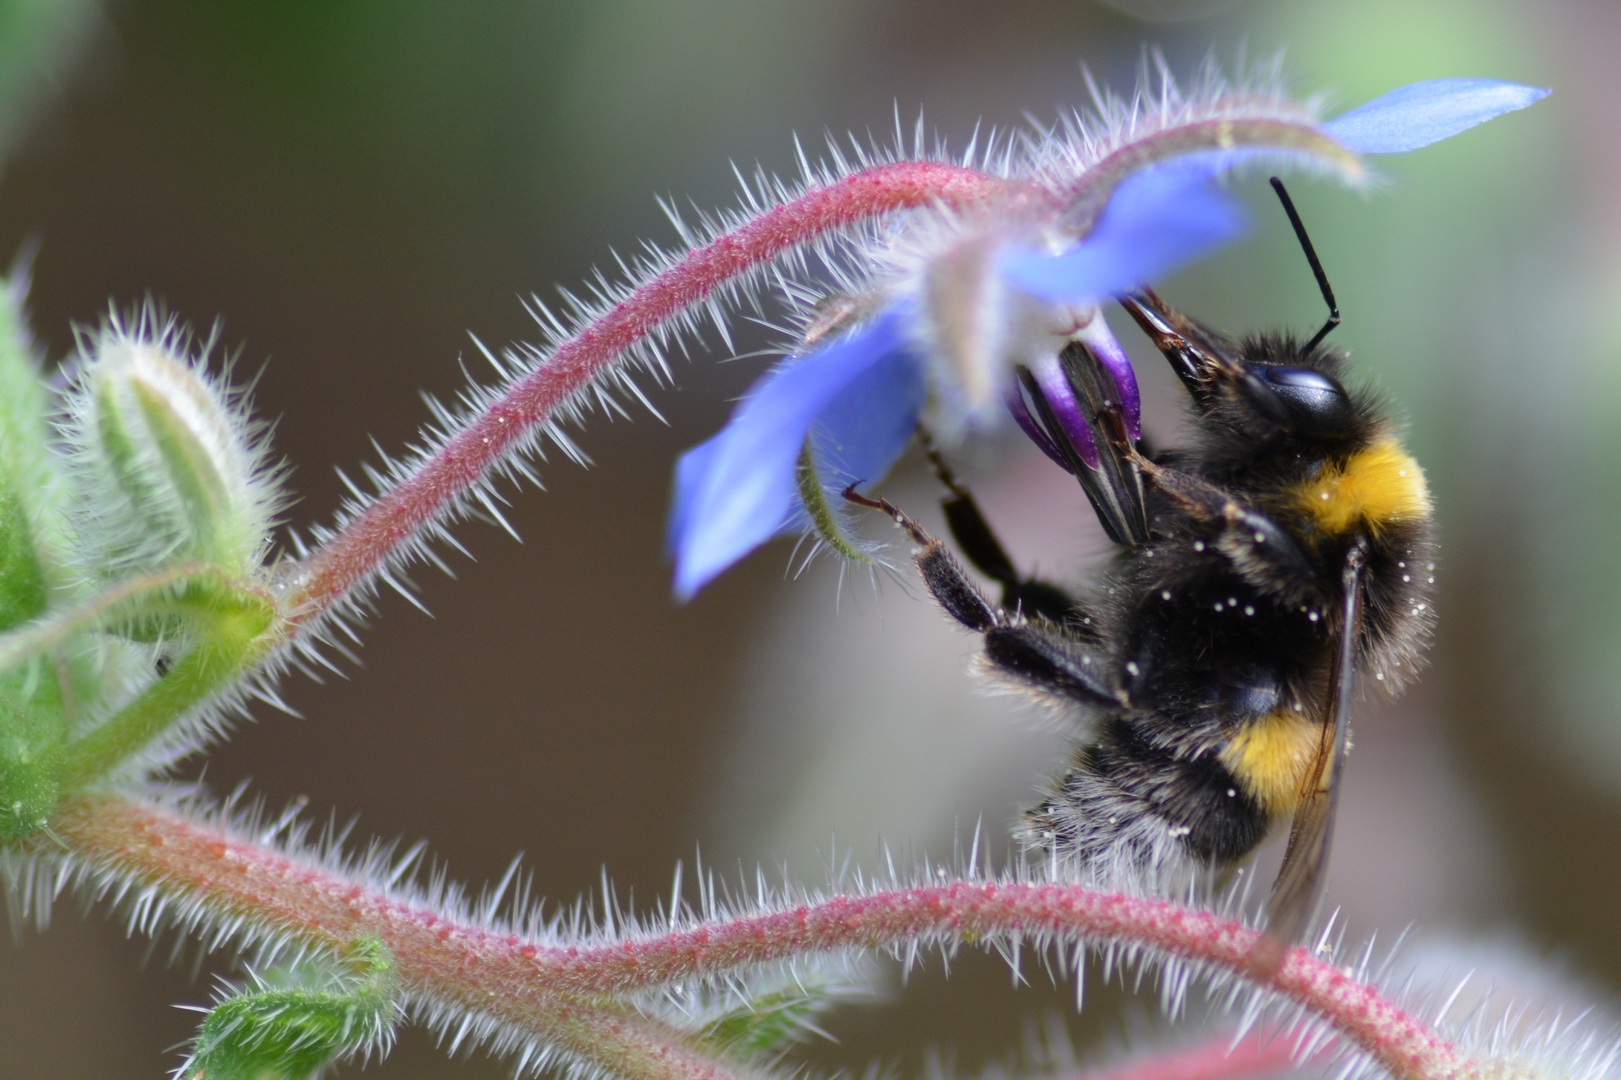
(171, 469)
(289, 1032)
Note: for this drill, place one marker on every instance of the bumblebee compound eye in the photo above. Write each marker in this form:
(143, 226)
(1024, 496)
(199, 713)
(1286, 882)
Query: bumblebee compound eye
(1320, 406)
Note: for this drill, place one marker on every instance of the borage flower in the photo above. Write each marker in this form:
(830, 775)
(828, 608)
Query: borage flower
(960, 316)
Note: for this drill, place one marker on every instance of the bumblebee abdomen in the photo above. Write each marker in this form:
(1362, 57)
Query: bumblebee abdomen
(1131, 801)
(1269, 757)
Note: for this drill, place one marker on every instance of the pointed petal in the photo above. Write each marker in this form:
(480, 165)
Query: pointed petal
(736, 490)
(1155, 221)
(690, 470)
(1426, 112)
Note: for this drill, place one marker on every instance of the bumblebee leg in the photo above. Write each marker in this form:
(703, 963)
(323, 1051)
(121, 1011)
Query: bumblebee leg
(1259, 549)
(978, 543)
(1201, 357)
(1054, 660)
(942, 574)
(1038, 654)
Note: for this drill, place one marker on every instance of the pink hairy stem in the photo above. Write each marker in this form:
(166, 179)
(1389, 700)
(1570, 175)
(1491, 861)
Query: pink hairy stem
(432, 958)
(1220, 1058)
(524, 982)
(395, 518)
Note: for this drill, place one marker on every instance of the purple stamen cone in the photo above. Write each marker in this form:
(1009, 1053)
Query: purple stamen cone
(1097, 337)
(1032, 428)
(1066, 408)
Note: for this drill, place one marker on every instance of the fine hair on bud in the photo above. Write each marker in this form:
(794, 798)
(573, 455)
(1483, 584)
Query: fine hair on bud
(167, 464)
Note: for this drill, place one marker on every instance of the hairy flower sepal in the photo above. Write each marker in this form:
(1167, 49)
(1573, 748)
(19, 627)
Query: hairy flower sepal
(168, 470)
(226, 628)
(968, 297)
(211, 629)
(280, 1032)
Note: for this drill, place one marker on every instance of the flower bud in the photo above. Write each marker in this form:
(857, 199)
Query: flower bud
(171, 472)
(284, 1027)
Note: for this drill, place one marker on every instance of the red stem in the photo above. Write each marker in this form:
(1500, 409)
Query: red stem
(389, 523)
(1214, 1059)
(513, 978)
(431, 960)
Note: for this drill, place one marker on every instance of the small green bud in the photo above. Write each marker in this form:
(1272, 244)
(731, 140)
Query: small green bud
(273, 1033)
(764, 1021)
(170, 470)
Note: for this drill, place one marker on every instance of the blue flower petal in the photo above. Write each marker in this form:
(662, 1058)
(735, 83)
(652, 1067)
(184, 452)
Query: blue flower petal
(1156, 220)
(867, 426)
(1426, 112)
(735, 491)
(690, 470)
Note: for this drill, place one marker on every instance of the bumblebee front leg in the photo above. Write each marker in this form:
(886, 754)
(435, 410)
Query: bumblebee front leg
(1039, 654)
(1258, 548)
(941, 573)
(978, 543)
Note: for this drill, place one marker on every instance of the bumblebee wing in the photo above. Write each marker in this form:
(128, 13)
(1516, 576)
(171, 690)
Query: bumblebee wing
(1300, 882)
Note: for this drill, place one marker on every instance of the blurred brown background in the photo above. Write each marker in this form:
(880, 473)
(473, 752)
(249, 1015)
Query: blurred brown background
(353, 187)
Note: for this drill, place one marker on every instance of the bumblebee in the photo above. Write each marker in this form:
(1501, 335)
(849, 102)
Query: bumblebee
(1260, 570)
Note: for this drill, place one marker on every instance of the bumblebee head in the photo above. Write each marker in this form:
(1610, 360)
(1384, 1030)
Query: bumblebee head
(1313, 401)
(1286, 390)
(1263, 386)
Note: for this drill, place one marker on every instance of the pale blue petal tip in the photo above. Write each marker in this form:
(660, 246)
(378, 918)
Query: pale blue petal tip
(1426, 112)
(735, 491)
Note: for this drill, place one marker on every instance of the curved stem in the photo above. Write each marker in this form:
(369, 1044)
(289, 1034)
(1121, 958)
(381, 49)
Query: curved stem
(391, 522)
(1085, 197)
(228, 877)
(233, 879)
(1220, 1058)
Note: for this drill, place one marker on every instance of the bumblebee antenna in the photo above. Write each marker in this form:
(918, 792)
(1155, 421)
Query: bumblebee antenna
(1311, 257)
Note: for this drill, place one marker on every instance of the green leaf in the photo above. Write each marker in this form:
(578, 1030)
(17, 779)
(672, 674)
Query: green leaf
(30, 487)
(772, 1021)
(33, 723)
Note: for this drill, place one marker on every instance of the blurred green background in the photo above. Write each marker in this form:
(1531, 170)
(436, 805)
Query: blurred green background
(352, 187)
